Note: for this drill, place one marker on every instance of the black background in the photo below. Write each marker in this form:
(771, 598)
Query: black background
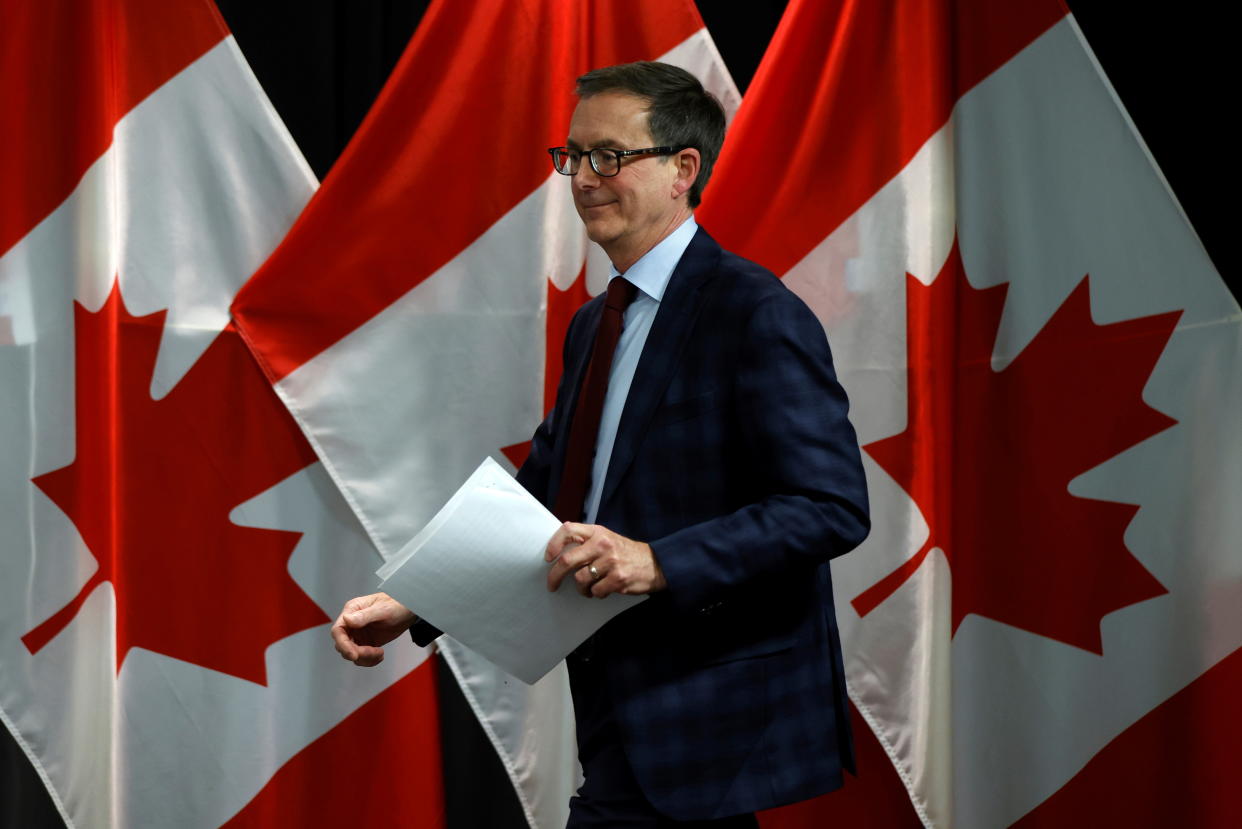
(323, 62)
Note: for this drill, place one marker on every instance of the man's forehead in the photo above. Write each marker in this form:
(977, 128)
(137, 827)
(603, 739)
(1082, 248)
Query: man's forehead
(608, 119)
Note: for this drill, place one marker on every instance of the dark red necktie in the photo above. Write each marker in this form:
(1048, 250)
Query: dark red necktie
(585, 429)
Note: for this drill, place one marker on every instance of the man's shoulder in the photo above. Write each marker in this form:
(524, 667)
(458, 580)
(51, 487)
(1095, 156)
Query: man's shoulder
(742, 280)
(749, 276)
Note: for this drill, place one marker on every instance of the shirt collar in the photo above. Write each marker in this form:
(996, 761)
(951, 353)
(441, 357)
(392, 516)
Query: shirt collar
(651, 273)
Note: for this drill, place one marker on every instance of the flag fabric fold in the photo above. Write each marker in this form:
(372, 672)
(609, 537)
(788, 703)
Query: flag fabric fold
(1039, 354)
(173, 551)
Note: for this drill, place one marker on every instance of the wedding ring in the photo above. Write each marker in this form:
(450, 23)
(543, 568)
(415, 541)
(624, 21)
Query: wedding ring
(594, 573)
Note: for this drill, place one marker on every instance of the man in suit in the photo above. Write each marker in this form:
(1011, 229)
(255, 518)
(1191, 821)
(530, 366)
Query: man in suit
(702, 456)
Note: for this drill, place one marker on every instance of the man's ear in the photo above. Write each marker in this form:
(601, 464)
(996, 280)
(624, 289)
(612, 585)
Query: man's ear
(687, 162)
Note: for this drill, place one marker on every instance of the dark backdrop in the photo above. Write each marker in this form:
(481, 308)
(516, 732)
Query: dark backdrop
(322, 64)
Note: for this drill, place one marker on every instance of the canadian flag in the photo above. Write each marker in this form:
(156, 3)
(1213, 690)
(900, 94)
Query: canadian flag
(1045, 372)
(172, 551)
(412, 319)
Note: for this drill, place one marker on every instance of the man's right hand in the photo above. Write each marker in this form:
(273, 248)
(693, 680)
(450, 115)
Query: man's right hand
(368, 622)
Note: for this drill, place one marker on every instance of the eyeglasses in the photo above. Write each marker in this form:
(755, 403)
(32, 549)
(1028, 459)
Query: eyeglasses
(605, 161)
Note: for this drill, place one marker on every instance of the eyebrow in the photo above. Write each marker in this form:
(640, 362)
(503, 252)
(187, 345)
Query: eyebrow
(607, 143)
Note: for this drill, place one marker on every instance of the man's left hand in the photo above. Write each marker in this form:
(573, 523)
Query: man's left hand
(602, 562)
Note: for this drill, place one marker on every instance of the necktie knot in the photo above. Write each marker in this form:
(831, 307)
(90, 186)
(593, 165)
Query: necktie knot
(621, 293)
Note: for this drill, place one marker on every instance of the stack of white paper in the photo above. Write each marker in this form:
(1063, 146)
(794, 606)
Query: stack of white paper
(477, 572)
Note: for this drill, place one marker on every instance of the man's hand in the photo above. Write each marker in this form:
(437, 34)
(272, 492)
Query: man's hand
(368, 622)
(602, 562)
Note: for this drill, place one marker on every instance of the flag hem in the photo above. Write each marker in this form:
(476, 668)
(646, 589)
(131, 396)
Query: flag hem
(311, 438)
(906, 781)
(505, 760)
(1133, 128)
(275, 122)
(38, 767)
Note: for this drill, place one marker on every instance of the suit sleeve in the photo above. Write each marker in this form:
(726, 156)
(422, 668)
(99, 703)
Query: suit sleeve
(535, 472)
(811, 502)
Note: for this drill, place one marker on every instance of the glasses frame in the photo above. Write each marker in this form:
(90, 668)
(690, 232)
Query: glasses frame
(620, 154)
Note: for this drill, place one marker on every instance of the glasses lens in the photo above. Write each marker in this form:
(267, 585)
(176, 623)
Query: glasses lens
(565, 161)
(605, 162)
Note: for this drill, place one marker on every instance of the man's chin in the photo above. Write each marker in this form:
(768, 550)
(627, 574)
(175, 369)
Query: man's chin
(599, 232)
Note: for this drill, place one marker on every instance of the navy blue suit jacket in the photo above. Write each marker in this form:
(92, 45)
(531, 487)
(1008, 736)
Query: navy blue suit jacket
(735, 461)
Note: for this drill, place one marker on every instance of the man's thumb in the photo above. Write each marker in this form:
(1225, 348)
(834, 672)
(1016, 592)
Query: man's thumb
(357, 619)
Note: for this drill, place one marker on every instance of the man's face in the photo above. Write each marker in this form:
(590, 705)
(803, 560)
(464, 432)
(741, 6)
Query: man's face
(626, 214)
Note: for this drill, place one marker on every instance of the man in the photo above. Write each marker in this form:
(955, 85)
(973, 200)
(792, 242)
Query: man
(704, 459)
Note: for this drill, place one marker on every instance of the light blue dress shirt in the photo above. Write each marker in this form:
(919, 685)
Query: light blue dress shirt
(650, 275)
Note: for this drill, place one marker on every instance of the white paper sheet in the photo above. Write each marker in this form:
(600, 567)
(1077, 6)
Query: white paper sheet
(477, 572)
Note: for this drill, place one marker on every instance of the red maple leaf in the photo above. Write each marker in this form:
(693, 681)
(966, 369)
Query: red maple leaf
(561, 308)
(987, 456)
(151, 487)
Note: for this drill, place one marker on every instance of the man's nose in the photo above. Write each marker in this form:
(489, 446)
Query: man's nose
(586, 178)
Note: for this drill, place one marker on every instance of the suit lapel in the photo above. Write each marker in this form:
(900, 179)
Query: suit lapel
(679, 308)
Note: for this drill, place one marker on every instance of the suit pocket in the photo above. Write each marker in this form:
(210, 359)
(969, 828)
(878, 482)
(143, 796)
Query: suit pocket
(688, 408)
(732, 652)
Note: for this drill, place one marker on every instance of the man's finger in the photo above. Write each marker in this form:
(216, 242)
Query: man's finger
(557, 573)
(368, 656)
(567, 535)
(556, 542)
(567, 562)
(561, 568)
(344, 644)
(605, 586)
(584, 578)
(374, 612)
(577, 556)
(359, 602)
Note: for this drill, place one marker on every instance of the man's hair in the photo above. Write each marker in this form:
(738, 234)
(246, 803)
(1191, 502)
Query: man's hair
(679, 110)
